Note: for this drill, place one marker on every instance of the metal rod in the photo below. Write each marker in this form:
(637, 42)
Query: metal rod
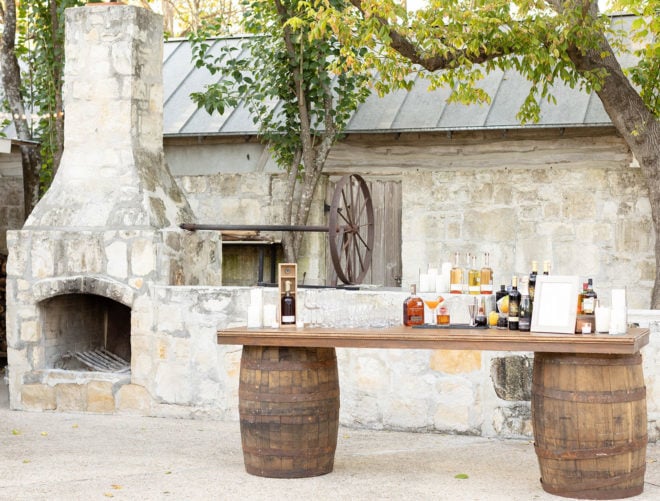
(253, 227)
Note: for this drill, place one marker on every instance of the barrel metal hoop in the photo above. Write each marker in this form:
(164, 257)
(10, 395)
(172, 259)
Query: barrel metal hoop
(592, 397)
(592, 453)
(596, 488)
(287, 365)
(259, 397)
(298, 453)
(611, 360)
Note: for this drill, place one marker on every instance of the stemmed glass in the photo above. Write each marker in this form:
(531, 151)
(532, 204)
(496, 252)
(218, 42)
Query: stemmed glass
(432, 303)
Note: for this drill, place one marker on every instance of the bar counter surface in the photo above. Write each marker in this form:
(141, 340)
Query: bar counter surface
(435, 338)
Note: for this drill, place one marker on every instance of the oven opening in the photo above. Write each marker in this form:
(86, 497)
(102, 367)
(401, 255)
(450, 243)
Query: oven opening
(86, 332)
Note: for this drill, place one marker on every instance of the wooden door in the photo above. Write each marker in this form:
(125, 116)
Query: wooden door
(385, 267)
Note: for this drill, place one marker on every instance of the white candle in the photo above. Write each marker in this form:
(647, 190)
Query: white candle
(254, 316)
(618, 315)
(446, 268)
(270, 315)
(602, 318)
(423, 282)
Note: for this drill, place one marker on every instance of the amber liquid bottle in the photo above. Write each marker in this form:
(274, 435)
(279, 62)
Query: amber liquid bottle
(288, 305)
(474, 277)
(413, 308)
(486, 278)
(456, 276)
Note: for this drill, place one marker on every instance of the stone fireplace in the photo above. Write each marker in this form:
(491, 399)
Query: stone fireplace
(106, 233)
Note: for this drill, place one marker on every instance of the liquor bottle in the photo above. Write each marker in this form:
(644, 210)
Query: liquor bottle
(474, 277)
(580, 299)
(466, 274)
(514, 305)
(532, 280)
(288, 305)
(525, 316)
(499, 295)
(456, 276)
(546, 267)
(486, 276)
(589, 297)
(481, 319)
(413, 308)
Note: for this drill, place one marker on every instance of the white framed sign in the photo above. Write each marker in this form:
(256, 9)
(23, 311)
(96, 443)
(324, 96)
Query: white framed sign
(555, 303)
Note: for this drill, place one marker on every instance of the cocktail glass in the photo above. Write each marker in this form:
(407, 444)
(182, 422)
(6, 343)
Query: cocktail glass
(432, 303)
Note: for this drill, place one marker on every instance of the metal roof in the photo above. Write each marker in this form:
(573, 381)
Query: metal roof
(401, 111)
(420, 109)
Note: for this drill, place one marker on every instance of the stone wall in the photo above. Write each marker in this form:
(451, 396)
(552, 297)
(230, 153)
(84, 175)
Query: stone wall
(570, 197)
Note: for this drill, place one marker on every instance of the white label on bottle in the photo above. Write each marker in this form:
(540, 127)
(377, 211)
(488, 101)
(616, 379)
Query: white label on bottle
(288, 319)
(588, 305)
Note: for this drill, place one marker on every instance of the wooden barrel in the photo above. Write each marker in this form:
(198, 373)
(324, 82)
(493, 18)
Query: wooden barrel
(289, 410)
(589, 416)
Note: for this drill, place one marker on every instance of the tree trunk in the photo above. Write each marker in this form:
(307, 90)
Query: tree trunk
(11, 82)
(638, 126)
(57, 78)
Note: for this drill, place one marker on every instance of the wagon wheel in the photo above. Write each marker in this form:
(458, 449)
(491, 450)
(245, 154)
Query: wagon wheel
(351, 229)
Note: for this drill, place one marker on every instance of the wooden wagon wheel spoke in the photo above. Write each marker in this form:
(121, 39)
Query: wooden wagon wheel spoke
(351, 229)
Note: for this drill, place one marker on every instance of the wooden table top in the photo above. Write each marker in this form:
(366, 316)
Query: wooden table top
(446, 338)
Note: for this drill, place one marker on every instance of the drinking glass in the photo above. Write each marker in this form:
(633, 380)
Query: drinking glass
(472, 311)
(432, 303)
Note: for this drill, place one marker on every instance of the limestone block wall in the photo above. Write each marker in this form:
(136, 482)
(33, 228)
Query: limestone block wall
(567, 196)
(178, 369)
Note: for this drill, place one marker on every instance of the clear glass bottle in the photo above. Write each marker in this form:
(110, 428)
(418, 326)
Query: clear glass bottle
(288, 306)
(466, 269)
(456, 276)
(486, 276)
(514, 305)
(473, 277)
(413, 308)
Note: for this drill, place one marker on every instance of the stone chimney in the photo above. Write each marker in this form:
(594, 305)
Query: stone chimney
(112, 173)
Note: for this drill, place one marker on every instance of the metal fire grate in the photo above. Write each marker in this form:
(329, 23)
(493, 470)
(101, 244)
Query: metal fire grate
(102, 360)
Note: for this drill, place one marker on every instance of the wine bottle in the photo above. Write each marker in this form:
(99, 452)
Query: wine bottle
(514, 305)
(413, 308)
(456, 276)
(589, 297)
(499, 295)
(486, 278)
(525, 316)
(532, 280)
(473, 277)
(288, 305)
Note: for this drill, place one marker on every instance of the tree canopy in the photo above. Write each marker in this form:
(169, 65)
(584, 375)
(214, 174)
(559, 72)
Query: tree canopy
(284, 77)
